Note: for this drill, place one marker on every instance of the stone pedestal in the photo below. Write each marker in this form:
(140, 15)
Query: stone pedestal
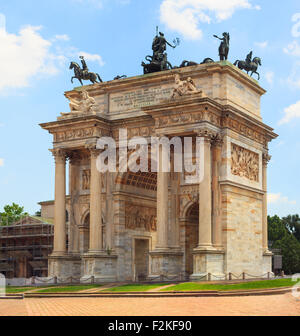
(267, 262)
(165, 262)
(102, 267)
(64, 266)
(208, 261)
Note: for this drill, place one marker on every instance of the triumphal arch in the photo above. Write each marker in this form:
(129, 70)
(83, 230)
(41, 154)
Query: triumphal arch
(130, 225)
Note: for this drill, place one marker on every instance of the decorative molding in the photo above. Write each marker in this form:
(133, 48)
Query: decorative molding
(59, 155)
(244, 163)
(266, 158)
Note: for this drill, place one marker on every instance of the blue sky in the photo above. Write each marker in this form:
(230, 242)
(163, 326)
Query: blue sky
(38, 39)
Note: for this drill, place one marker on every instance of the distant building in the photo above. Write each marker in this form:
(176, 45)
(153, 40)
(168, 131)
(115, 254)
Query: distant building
(25, 246)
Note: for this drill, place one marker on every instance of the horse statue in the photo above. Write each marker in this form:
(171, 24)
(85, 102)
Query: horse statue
(160, 63)
(83, 75)
(250, 66)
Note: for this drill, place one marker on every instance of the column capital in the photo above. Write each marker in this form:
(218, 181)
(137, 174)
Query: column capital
(92, 148)
(60, 155)
(266, 158)
(74, 157)
(208, 134)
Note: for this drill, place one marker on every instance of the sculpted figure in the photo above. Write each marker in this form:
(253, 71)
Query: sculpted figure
(249, 65)
(224, 46)
(84, 105)
(184, 87)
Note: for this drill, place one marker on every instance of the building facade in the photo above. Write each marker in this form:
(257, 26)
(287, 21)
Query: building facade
(25, 246)
(126, 226)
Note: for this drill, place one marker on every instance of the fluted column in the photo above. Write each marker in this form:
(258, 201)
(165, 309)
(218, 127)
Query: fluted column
(216, 193)
(59, 247)
(205, 196)
(162, 203)
(266, 159)
(95, 204)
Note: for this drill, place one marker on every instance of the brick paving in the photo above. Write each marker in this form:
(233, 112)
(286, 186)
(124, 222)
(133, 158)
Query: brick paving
(283, 305)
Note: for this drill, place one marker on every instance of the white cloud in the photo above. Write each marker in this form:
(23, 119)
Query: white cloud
(278, 198)
(291, 112)
(92, 57)
(184, 16)
(270, 77)
(27, 55)
(63, 37)
(293, 49)
(23, 56)
(1, 162)
(296, 26)
(262, 45)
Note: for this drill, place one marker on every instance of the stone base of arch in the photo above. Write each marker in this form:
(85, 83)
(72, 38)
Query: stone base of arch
(208, 265)
(64, 266)
(99, 267)
(166, 264)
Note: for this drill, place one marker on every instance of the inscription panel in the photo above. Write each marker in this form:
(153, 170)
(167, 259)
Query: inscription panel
(134, 100)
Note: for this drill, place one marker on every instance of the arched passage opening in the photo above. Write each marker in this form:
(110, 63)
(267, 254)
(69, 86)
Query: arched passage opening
(191, 235)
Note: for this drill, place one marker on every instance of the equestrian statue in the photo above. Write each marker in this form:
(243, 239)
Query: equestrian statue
(83, 74)
(249, 64)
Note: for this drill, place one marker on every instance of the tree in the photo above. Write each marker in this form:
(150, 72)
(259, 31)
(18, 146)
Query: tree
(12, 213)
(283, 238)
(292, 223)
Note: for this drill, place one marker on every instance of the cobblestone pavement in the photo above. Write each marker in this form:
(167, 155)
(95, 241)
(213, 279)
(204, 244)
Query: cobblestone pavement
(283, 305)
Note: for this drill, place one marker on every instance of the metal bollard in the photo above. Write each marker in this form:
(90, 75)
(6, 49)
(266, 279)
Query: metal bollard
(92, 279)
(269, 275)
(209, 276)
(244, 276)
(33, 280)
(55, 280)
(230, 276)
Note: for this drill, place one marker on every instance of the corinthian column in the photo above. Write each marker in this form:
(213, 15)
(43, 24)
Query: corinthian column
(205, 195)
(266, 159)
(162, 204)
(95, 204)
(59, 247)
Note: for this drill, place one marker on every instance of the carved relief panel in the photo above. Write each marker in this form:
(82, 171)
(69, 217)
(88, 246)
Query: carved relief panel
(140, 217)
(244, 163)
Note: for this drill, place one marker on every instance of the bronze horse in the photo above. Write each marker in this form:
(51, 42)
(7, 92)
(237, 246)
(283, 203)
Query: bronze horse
(83, 75)
(252, 66)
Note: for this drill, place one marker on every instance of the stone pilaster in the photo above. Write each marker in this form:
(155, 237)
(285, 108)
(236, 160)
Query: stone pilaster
(216, 194)
(266, 159)
(74, 187)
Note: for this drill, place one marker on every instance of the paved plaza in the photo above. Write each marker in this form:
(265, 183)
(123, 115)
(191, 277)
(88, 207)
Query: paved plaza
(283, 305)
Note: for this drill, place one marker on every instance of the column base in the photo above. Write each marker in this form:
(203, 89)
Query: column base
(101, 266)
(208, 261)
(166, 263)
(64, 266)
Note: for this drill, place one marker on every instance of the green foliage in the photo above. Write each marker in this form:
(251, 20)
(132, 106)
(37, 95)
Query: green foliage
(292, 223)
(11, 214)
(283, 237)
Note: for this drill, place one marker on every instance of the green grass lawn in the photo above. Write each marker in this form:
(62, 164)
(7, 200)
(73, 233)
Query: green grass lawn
(67, 289)
(265, 284)
(134, 288)
(16, 290)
